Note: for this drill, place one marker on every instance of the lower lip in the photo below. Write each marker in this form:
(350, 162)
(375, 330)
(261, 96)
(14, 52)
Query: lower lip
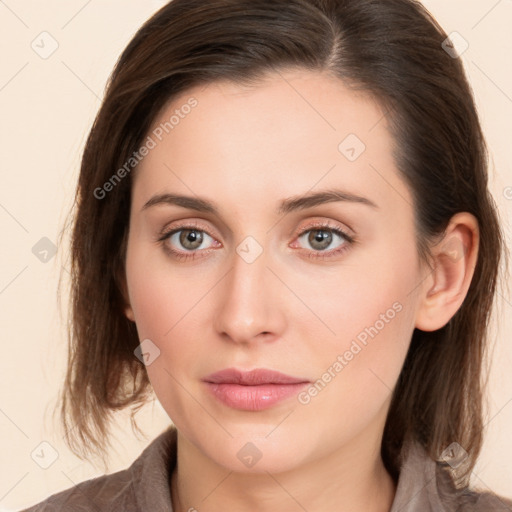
(254, 398)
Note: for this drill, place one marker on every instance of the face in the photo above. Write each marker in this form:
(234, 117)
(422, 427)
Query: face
(322, 290)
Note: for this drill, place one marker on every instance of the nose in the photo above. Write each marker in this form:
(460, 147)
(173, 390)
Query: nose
(249, 303)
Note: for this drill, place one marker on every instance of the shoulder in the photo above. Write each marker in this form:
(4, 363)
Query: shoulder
(474, 501)
(101, 493)
(426, 485)
(466, 499)
(142, 486)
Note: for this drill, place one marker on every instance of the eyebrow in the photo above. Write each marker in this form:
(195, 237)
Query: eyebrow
(288, 205)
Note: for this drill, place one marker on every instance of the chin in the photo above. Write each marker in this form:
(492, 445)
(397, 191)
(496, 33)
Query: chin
(251, 454)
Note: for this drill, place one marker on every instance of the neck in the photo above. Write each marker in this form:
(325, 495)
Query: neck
(351, 479)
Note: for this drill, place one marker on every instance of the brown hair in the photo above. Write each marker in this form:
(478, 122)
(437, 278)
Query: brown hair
(391, 49)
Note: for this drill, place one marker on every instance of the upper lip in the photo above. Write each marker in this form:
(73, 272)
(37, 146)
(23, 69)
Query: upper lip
(254, 377)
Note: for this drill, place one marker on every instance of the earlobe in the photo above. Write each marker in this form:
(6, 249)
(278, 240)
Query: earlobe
(454, 260)
(127, 308)
(121, 281)
(128, 311)
(123, 291)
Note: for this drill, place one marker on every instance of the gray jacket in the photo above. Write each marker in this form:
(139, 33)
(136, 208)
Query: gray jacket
(144, 486)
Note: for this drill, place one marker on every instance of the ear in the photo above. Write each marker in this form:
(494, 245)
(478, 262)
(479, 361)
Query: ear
(123, 290)
(120, 279)
(128, 311)
(454, 259)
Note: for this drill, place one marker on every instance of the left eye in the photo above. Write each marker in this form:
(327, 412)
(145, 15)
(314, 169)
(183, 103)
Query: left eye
(321, 238)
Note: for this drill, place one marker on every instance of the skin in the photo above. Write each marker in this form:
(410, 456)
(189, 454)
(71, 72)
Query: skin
(246, 149)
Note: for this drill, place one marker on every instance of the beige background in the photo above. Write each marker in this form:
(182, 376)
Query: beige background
(47, 106)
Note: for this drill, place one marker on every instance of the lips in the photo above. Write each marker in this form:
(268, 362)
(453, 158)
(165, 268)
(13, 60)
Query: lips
(256, 377)
(253, 390)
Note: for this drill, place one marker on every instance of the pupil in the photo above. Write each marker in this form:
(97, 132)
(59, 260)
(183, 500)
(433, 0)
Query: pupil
(191, 239)
(322, 237)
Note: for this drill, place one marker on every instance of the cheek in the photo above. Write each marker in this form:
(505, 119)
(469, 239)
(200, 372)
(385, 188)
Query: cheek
(158, 296)
(169, 306)
(357, 370)
(350, 301)
(164, 306)
(367, 314)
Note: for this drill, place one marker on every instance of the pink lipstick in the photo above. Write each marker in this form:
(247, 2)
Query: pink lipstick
(253, 390)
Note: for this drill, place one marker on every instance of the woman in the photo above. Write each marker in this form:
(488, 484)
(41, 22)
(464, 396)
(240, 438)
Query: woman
(283, 228)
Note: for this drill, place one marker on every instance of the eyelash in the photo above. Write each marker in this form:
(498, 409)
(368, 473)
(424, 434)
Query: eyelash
(316, 226)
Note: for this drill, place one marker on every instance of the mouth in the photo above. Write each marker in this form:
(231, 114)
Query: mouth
(253, 390)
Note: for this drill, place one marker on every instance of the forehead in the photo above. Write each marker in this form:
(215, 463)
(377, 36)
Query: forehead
(284, 135)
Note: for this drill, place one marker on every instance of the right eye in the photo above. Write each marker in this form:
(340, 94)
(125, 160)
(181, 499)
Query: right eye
(187, 238)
